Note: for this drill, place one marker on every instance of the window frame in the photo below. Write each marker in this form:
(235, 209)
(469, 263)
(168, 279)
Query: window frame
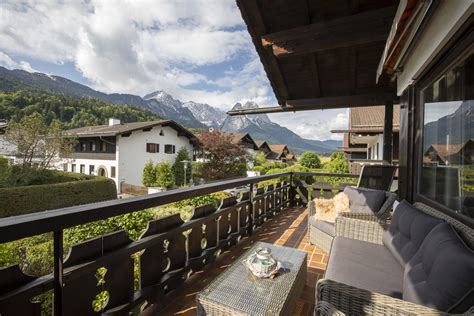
(148, 148)
(172, 149)
(91, 170)
(82, 168)
(454, 53)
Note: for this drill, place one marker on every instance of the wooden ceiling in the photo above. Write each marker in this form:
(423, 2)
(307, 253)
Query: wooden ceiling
(321, 54)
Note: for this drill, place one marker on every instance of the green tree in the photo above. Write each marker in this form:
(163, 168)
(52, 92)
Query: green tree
(164, 175)
(37, 140)
(178, 167)
(224, 158)
(260, 158)
(310, 160)
(149, 176)
(4, 170)
(338, 163)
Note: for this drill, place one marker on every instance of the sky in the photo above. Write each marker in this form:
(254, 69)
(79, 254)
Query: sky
(196, 50)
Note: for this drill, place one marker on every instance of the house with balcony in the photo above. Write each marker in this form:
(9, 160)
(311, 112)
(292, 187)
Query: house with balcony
(317, 55)
(363, 141)
(120, 150)
(280, 152)
(275, 152)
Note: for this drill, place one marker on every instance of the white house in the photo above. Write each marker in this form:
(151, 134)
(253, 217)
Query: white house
(120, 151)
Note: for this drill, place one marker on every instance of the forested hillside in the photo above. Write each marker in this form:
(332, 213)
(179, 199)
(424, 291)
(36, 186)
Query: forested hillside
(72, 112)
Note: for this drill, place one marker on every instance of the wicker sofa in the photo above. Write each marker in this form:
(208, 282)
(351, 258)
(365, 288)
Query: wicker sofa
(321, 233)
(375, 269)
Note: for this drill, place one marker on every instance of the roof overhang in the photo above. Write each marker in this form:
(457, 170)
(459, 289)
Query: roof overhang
(321, 54)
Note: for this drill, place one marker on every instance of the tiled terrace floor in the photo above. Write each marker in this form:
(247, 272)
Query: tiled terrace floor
(289, 229)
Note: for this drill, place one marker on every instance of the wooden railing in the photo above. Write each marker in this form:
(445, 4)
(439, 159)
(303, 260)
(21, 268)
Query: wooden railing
(166, 254)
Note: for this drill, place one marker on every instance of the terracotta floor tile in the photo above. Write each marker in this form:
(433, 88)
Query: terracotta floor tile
(287, 228)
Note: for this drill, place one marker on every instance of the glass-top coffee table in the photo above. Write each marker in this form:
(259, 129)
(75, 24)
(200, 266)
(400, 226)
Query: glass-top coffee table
(237, 292)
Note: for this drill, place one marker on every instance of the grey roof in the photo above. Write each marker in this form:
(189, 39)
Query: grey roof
(113, 130)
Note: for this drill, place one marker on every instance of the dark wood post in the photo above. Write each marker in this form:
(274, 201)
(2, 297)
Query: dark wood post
(251, 210)
(388, 133)
(58, 272)
(292, 192)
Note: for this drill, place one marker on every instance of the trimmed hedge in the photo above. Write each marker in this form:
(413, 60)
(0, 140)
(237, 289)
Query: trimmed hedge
(37, 198)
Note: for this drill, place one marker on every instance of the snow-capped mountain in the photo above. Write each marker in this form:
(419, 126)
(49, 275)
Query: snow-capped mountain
(260, 127)
(168, 107)
(189, 114)
(206, 114)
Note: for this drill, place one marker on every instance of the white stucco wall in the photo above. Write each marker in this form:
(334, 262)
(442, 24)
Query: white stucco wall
(446, 20)
(132, 155)
(374, 154)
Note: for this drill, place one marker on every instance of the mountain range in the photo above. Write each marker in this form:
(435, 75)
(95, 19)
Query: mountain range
(189, 114)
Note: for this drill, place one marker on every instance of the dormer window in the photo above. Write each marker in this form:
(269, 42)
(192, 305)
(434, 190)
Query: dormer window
(82, 146)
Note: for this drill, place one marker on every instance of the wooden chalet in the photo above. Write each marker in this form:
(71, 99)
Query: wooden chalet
(263, 146)
(363, 139)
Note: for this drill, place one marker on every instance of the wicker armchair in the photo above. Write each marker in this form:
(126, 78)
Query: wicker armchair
(351, 300)
(323, 239)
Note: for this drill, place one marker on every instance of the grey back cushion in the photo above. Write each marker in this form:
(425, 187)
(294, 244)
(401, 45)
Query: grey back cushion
(407, 230)
(441, 274)
(364, 200)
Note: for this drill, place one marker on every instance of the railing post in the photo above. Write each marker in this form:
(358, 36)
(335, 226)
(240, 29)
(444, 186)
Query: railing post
(292, 192)
(251, 210)
(58, 272)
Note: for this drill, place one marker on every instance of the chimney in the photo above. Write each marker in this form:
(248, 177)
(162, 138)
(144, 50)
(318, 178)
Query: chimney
(114, 121)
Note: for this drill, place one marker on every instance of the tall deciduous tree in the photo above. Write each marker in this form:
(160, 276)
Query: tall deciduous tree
(178, 167)
(38, 142)
(223, 158)
(149, 177)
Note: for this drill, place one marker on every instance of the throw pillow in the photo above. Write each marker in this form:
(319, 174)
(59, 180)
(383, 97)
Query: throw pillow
(328, 209)
(441, 274)
(407, 230)
(365, 200)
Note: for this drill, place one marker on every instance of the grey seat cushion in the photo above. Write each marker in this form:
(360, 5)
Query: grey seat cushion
(407, 230)
(364, 200)
(366, 266)
(327, 227)
(441, 274)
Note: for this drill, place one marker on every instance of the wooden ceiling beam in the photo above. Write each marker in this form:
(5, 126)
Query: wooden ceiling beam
(325, 103)
(251, 14)
(362, 28)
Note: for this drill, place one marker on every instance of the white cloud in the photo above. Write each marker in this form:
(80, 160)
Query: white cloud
(7, 62)
(314, 124)
(144, 45)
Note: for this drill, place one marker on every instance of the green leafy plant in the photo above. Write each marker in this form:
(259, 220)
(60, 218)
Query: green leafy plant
(310, 160)
(164, 175)
(149, 175)
(260, 158)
